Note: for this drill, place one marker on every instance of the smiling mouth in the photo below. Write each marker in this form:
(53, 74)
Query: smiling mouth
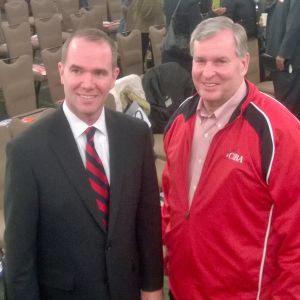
(208, 84)
(87, 97)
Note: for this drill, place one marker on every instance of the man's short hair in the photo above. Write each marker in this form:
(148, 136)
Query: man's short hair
(210, 27)
(91, 35)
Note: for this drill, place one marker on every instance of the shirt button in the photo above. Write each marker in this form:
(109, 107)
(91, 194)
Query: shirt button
(194, 187)
(206, 135)
(200, 161)
(108, 247)
(219, 125)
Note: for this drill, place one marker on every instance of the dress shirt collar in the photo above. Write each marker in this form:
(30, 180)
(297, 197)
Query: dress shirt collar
(224, 112)
(78, 127)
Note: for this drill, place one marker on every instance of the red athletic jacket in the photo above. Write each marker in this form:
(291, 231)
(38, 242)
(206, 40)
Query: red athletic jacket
(240, 239)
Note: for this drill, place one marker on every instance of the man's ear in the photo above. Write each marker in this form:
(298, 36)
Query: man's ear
(116, 72)
(245, 63)
(115, 75)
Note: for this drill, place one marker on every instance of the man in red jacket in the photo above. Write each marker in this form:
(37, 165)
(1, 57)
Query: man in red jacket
(231, 215)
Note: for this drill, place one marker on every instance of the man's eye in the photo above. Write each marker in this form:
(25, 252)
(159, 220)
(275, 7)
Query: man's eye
(221, 62)
(100, 73)
(75, 71)
(200, 61)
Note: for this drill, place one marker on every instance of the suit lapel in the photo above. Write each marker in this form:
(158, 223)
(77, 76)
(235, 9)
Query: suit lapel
(116, 167)
(64, 146)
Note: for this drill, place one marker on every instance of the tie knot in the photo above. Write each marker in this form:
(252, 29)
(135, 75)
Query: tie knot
(90, 131)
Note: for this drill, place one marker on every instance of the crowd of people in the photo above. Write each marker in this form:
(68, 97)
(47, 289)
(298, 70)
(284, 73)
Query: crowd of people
(82, 207)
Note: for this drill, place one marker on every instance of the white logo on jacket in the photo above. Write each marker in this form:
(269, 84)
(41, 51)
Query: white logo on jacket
(235, 157)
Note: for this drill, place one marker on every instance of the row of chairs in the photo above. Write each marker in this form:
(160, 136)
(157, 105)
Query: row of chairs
(19, 42)
(17, 11)
(50, 40)
(130, 49)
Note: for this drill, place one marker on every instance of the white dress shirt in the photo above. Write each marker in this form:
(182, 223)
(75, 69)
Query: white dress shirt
(78, 128)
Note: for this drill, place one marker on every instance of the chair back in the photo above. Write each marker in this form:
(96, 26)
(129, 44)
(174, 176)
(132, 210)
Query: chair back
(87, 19)
(21, 122)
(102, 4)
(42, 9)
(17, 82)
(99, 14)
(16, 12)
(2, 2)
(49, 32)
(66, 8)
(114, 10)
(156, 36)
(130, 50)
(18, 39)
(51, 58)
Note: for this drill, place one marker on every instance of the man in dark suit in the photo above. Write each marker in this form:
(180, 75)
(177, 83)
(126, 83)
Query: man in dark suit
(283, 44)
(61, 242)
(240, 11)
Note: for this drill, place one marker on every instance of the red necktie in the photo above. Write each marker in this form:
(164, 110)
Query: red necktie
(97, 176)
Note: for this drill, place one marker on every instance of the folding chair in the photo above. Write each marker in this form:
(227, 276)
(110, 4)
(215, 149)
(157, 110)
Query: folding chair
(130, 50)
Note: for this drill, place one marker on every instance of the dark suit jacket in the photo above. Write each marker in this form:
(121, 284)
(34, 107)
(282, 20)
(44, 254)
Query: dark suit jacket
(282, 36)
(55, 246)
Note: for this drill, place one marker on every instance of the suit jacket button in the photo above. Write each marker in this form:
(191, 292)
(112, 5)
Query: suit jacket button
(108, 247)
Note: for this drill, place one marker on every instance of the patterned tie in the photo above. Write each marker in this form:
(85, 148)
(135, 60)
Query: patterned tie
(97, 176)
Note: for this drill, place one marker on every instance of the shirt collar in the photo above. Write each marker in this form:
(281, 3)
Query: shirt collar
(224, 112)
(78, 127)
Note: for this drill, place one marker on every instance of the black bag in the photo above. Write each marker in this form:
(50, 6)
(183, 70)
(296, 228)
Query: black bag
(165, 98)
(175, 43)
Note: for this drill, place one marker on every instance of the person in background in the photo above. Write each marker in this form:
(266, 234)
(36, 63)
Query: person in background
(83, 3)
(186, 19)
(141, 14)
(231, 213)
(283, 44)
(82, 207)
(240, 11)
(125, 4)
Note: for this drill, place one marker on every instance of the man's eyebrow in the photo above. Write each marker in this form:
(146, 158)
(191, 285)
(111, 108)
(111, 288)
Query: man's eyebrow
(75, 66)
(213, 58)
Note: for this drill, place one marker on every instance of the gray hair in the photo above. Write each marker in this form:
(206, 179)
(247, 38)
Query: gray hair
(210, 27)
(91, 35)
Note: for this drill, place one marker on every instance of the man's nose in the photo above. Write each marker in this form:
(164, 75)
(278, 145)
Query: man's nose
(87, 80)
(208, 70)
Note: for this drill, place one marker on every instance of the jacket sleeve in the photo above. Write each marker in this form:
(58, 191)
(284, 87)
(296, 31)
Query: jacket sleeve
(285, 191)
(149, 224)
(291, 37)
(21, 218)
